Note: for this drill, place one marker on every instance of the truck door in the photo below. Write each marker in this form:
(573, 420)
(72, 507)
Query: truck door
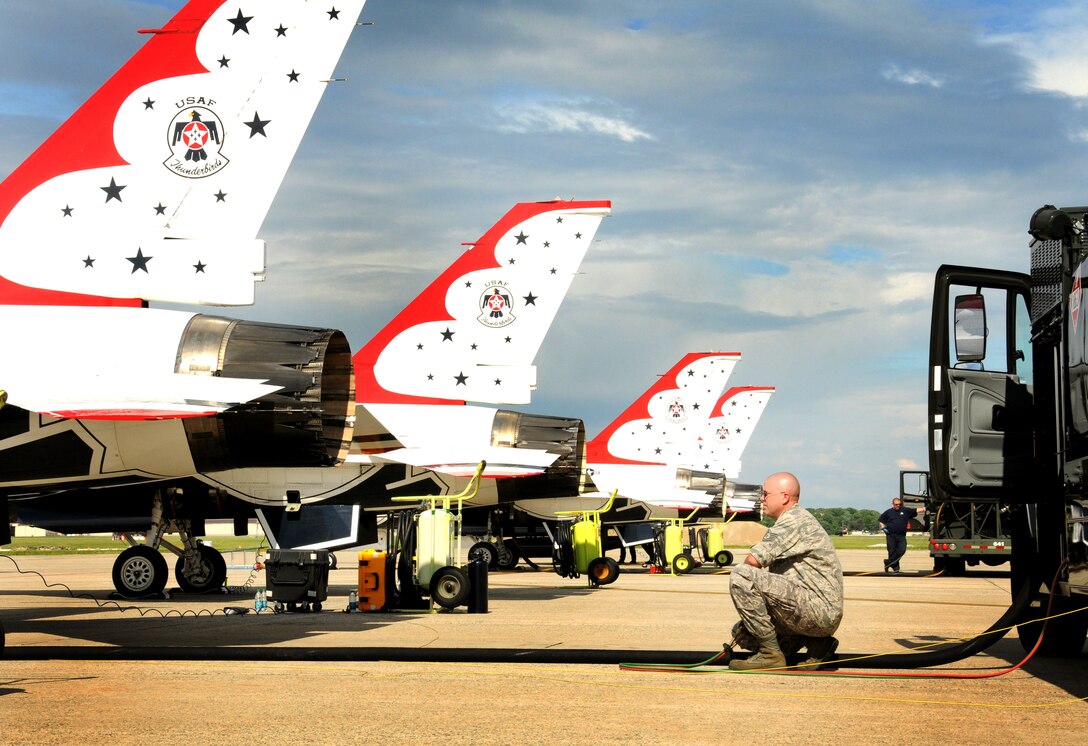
(980, 387)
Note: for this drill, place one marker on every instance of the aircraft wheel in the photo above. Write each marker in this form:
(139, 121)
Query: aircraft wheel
(724, 558)
(486, 551)
(1064, 635)
(603, 570)
(210, 573)
(139, 571)
(449, 587)
(683, 563)
(508, 560)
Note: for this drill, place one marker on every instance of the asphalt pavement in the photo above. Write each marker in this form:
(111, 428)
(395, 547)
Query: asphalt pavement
(541, 666)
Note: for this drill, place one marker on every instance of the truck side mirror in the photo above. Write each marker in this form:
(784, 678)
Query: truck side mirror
(970, 328)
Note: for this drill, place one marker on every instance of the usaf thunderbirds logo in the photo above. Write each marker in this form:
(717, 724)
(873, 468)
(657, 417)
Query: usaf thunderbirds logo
(496, 305)
(677, 411)
(195, 137)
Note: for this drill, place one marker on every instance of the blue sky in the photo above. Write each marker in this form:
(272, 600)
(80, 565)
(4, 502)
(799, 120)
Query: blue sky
(786, 177)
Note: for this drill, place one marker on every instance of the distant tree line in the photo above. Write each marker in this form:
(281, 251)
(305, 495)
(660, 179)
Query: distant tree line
(834, 520)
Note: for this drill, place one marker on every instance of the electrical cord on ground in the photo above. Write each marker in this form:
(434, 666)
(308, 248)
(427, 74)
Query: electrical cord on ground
(141, 610)
(257, 566)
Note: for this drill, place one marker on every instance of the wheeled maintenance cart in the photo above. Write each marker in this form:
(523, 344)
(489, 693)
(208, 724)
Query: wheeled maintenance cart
(297, 579)
(579, 549)
(711, 543)
(432, 544)
(671, 548)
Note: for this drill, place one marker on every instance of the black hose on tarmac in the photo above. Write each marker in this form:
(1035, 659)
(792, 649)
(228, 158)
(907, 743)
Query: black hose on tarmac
(498, 655)
(951, 654)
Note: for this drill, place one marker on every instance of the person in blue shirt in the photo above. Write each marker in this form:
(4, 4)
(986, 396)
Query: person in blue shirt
(893, 522)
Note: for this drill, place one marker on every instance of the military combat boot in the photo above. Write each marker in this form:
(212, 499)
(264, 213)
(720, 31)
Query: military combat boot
(820, 650)
(769, 656)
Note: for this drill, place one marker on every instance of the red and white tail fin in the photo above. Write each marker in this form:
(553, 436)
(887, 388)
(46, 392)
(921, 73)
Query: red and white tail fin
(155, 188)
(730, 427)
(660, 424)
(644, 451)
(473, 334)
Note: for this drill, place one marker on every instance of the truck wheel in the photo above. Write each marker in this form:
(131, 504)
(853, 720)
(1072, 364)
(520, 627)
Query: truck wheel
(449, 587)
(724, 558)
(955, 567)
(1064, 635)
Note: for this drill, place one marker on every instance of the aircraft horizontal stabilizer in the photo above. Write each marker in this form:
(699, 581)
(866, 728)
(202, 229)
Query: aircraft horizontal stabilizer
(111, 396)
(460, 462)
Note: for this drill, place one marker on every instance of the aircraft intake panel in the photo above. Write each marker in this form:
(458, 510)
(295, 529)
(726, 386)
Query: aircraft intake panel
(308, 422)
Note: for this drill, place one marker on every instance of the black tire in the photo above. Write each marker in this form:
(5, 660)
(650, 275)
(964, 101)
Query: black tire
(508, 560)
(486, 551)
(683, 563)
(449, 587)
(955, 567)
(724, 558)
(317, 606)
(1064, 636)
(603, 570)
(139, 571)
(332, 560)
(703, 535)
(210, 576)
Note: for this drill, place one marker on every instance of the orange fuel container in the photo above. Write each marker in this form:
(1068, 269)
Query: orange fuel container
(371, 580)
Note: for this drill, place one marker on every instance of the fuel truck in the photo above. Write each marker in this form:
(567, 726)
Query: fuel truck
(1008, 415)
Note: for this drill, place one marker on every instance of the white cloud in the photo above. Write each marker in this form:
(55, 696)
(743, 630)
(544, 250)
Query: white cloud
(563, 117)
(913, 76)
(1053, 42)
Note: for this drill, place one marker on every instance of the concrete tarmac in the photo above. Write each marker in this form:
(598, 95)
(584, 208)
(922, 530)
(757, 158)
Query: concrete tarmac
(291, 678)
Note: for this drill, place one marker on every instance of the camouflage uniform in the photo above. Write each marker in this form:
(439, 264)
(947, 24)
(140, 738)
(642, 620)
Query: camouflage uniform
(798, 591)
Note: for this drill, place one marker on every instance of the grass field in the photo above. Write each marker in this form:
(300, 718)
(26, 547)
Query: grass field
(106, 544)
